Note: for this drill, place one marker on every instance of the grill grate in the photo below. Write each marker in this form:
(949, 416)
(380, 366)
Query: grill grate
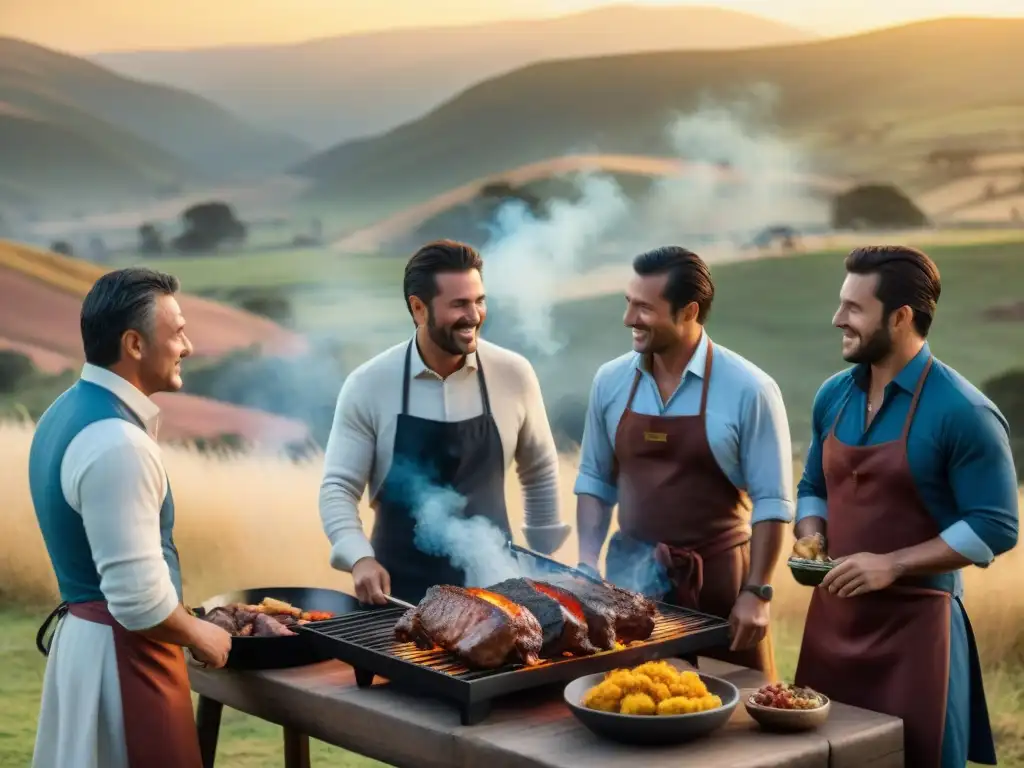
(365, 640)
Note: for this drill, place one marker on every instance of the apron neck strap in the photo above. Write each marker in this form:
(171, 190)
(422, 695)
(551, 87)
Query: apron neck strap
(484, 397)
(917, 397)
(707, 379)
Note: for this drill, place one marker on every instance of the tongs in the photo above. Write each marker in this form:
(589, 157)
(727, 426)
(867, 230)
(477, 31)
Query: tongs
(552, 563)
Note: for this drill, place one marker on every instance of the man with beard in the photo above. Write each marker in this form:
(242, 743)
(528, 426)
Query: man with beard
(444, 411)
(910, 476)
(691, 440)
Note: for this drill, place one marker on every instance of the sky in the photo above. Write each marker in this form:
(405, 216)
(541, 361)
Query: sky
(87, 26)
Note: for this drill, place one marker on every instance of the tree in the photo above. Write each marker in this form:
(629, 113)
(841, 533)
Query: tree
(63, 247)
(150, 239)
(875, 205)
(15, 368)
(208, 226)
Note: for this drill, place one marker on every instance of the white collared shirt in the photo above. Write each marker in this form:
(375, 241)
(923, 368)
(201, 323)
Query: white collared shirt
(359, 450)
(112, 474)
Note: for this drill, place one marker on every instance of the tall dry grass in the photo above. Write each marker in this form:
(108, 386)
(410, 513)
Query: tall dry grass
(251, 521)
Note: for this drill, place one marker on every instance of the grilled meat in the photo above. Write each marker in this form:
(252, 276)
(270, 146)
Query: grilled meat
(238, 621)
(562, 622)
(612, 614)
(483, 634)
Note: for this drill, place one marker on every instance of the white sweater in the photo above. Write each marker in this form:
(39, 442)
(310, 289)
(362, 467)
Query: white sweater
(359, 449)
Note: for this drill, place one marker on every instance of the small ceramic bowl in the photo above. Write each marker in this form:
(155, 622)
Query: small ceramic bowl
(810, 573)
(775, 719)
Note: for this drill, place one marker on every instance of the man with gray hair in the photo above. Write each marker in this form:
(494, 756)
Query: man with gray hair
(116, 691)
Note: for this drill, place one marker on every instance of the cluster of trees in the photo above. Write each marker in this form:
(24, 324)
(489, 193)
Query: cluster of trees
(205, 227)
(869, 206)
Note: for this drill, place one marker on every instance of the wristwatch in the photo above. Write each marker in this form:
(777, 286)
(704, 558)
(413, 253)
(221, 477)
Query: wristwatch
(762, 591)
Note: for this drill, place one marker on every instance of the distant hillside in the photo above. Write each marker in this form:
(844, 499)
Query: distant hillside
(342, 87)
(129, 133)
(623, 104)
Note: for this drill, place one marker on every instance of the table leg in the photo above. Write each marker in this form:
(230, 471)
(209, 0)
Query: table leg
(208, 714)
(296, 749)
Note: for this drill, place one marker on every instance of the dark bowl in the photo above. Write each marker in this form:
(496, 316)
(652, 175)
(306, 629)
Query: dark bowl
(810, 573)
(653, 730)
(281, 652)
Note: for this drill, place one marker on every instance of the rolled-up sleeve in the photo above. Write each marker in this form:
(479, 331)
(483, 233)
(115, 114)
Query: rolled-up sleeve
(597, 454)
(118, 489)
(984, 484)
(766, 454)
(811, 496)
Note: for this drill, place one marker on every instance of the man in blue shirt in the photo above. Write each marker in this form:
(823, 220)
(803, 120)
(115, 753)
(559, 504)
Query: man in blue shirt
(692, 442)
(909, 478)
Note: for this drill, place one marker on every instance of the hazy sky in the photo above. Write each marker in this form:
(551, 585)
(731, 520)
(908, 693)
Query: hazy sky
(84, 26)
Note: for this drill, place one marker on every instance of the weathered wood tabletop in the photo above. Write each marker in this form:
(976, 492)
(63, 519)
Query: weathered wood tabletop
(530, 730)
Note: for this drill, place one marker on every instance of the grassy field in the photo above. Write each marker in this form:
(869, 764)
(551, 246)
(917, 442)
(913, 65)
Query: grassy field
(230, 508)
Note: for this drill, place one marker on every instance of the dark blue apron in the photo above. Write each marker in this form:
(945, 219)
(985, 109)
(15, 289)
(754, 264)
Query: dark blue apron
(466, 456)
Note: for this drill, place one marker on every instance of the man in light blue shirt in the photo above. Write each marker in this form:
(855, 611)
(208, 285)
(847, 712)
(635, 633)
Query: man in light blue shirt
(691, 441)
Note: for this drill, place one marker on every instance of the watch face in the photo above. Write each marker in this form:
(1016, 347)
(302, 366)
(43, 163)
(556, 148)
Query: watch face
(763, 591)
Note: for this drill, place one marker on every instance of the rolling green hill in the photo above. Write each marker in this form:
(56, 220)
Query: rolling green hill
(337, 88)
(129, 132)
(857, 101)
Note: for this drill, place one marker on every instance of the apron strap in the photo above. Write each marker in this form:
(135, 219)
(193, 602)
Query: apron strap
(632, 391)
(56, 615)
(405, 379)
(707, 380)
(917, 396)
(483, 385)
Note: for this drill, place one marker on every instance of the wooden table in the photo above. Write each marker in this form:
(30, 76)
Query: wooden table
(529, 730)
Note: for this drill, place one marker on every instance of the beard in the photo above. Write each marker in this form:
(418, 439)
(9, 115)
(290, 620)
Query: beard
(444, 336)
(873, 349)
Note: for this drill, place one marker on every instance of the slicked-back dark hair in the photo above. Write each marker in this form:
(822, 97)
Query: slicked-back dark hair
(689, 278)
(906, 277)
(431, 260)
(120, 301)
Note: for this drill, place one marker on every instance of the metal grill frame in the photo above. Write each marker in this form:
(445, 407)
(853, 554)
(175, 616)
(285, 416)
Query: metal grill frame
(473, 690)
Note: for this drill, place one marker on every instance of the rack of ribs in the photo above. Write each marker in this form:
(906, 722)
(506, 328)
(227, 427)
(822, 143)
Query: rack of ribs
(483, 629)
(561, 617)
(612, 614)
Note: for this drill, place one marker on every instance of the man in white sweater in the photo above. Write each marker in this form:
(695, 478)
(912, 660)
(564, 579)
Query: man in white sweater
(116, 691)
(443, 410)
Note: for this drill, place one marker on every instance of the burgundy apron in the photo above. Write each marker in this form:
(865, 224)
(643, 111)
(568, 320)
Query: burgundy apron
(674, 495)
(156, 700)
(887, 651)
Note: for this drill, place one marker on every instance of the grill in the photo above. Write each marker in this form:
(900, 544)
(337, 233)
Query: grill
(365, 640)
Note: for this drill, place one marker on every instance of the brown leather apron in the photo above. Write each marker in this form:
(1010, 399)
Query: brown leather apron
(675, 499)
(156, 700)
(886, 651)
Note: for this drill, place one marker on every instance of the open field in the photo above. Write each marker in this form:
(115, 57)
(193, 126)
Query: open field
(775, 311)
(229, 509)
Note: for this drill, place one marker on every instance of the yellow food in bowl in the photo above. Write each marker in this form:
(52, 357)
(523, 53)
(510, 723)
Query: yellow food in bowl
(652, 688)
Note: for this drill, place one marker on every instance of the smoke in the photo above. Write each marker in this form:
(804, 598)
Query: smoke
(740, 177)
(474, 544)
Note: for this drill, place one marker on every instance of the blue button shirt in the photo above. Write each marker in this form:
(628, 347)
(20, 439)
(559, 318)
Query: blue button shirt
(746, 422)
(958, 449)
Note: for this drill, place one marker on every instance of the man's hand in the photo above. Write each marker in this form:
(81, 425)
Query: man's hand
(372, 581)
(748, 621)
(860, 574)
(210, 644)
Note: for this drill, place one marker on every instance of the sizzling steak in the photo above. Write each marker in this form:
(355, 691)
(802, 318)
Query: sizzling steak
(483, 634)
(240, 622)
(612, 614)
(562, 623)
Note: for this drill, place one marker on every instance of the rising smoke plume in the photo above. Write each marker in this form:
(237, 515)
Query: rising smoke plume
(742, 177)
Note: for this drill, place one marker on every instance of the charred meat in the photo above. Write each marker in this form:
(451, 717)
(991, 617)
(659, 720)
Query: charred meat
(484, 629)
(561, 617)
(612, 614)
(269, 618)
